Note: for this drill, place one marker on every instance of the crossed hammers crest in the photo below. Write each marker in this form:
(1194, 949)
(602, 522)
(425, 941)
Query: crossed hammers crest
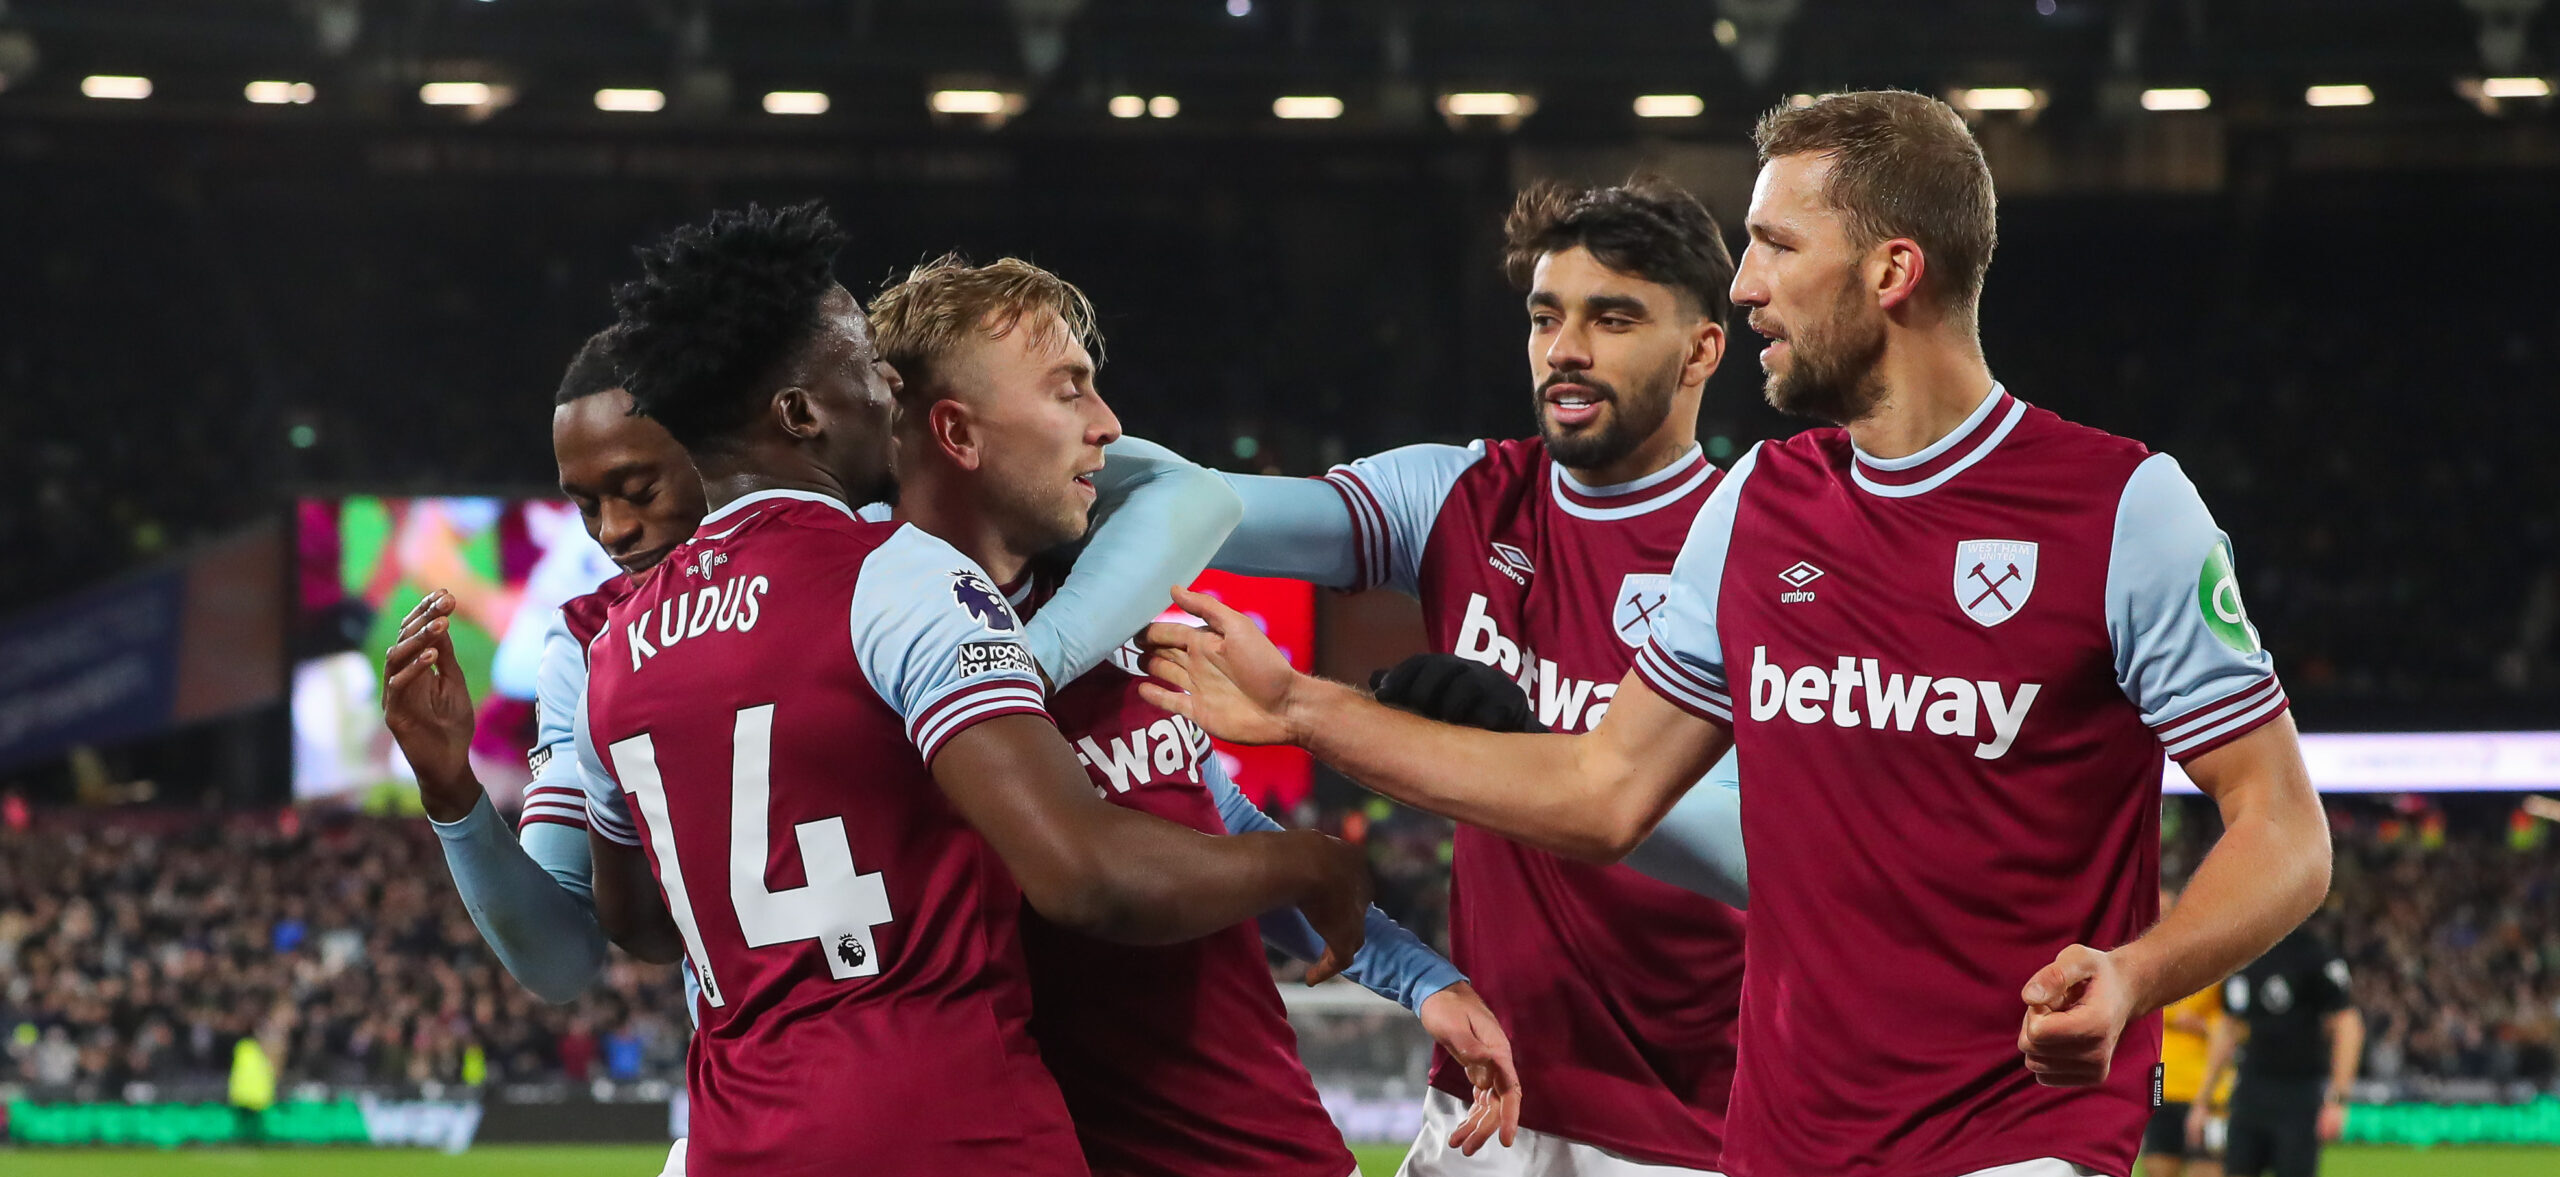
(1991, 588)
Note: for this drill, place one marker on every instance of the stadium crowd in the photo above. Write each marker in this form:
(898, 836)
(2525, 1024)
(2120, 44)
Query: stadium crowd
(144, 951)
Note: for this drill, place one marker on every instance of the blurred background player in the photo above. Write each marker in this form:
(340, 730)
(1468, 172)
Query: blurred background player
(1856, 570)
(2298, 1039)
(2186, 1034)
(863, 997)
(1178, 1059)
(1548, 558)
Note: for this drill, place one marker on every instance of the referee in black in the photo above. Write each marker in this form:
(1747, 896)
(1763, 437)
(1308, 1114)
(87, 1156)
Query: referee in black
(2303, 1040)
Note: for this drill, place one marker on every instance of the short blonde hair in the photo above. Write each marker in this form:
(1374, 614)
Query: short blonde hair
(919, 321)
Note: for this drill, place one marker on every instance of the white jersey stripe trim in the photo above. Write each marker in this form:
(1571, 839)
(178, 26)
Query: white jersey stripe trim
(2231, 725)
(1369, 524)
(742, 502)
(2214, 712)
(1695, 453)
(930, 743)
(945, 708)
(2017, 410)
(1675, 683)
(1556, 489)
(2237, 725)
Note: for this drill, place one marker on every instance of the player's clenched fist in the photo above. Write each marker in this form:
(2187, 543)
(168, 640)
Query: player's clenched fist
(1223, 674)
(428, 708)
(2076, 1008)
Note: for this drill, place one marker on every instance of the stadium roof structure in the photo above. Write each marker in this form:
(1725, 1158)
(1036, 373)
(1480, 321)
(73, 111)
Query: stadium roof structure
(1391, 63)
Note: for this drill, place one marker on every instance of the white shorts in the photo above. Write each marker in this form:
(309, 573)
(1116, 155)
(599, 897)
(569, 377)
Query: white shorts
(2048, 1167)
(1532, 1154)
(675, 1161)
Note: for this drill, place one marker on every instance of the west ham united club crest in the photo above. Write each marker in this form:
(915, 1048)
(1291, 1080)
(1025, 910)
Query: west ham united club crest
(1641, 597)
(1994, 577)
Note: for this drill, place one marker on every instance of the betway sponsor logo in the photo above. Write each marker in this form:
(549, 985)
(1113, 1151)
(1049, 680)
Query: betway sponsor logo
(1169, 748)
(1857, 691)
(1564, 704)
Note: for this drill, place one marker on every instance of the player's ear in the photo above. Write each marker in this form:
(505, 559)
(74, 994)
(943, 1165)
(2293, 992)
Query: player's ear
(1706, 352)
(953, 430)
(796, 413)
(1895, 270)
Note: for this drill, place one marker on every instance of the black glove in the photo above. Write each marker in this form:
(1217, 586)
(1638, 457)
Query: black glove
(1452, 689)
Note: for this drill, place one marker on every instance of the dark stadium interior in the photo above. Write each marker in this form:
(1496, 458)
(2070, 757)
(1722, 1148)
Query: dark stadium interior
(2340, 321)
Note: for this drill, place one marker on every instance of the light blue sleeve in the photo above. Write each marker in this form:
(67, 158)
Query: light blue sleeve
(544, 931)
(1393, 963)
(1685, 660)
(1385, 507)
(608, 813)
(2185, 652)
(1157, 519)
(937, 641)
(1698, 846)
(1299, 528)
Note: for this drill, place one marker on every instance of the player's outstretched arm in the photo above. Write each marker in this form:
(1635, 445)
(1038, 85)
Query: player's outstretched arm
(1157, 519)
(1121, 875)
(1698, 844)
(2266, 873)
(542, 929)
(1591, 796)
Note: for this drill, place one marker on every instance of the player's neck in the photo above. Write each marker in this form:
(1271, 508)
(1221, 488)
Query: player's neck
(1931, 386)
(723, 485)
(1667, 446)
(944, 508)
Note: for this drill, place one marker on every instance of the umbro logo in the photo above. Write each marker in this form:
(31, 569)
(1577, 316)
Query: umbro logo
(1797, 576)
(1511, 562)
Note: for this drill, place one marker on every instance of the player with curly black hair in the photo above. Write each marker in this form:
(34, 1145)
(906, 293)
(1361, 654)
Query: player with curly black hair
(740, 321)
(834, 743)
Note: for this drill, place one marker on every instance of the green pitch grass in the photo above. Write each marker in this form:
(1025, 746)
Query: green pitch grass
(643, 1161)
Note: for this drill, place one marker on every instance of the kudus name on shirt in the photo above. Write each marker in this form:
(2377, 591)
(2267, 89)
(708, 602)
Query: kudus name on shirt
(1856, 691)
(732, 605)
(1564, 704)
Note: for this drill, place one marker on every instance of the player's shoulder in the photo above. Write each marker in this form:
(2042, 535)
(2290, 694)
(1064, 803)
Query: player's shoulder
(2061, 439)
(1824, 448)
(584, 615)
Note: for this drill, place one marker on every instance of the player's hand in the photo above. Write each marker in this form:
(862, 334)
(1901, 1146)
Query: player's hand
(1457, 690)
(1337, 904)
(2196, 1117)
(427, 706)
(2076, 1007)
(2333, 1121)
(1464, 1026)
(1224, 675)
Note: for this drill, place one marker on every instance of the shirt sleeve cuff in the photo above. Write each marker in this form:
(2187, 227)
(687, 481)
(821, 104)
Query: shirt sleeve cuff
(971, 705)
(2210, 726)
(556, 804)
(469, 825)
(1685, 688)
(1368, 524)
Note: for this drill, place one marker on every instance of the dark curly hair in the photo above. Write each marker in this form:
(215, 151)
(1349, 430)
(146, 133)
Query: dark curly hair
(593, 370)
(717, 308)
(1648, 227)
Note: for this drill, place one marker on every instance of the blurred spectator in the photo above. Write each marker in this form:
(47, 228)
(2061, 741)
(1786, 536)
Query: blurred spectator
(149, 953)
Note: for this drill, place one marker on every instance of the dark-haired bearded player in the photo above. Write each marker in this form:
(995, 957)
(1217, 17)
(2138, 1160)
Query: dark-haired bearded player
(1547, 558)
